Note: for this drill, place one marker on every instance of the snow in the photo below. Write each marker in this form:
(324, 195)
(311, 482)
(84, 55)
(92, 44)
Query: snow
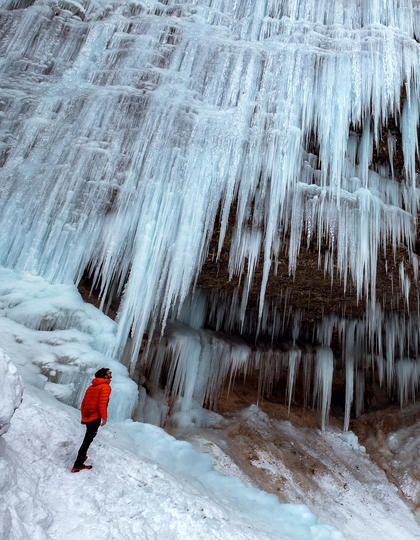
(144, 481)
(398, 450)
(11, 391)
(151, 486)
(328, 470)
(60, 339)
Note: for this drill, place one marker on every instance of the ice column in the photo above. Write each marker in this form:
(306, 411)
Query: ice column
(323, 381)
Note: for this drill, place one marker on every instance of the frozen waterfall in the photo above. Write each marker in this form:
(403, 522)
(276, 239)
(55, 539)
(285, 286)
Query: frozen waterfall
(131, 129)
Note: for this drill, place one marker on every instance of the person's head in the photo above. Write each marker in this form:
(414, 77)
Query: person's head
(103, 373)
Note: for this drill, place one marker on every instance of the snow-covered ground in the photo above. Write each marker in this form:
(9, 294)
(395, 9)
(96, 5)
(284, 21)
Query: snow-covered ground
(329, 471)
(144, 482)
(126, 495)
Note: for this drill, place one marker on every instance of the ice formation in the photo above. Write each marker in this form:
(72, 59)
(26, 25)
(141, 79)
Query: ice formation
(59, 340)
(11, 391)
(197, 362)
(130, 129)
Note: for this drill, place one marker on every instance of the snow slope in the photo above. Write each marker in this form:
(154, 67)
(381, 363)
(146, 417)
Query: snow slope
(127, 495)
(330, 471)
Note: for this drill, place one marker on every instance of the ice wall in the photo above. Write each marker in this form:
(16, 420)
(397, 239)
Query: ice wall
(128, 127)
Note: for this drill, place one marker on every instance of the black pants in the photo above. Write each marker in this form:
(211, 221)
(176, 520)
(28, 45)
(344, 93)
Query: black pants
(91, 430)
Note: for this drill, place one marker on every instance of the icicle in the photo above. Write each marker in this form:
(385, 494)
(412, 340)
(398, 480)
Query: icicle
(408, 374)
(323, 381)
(138, 132)
(365, 155)
(294, 360)
(349, 391)
(307, 373)
(409, 123)
(380, 367)
(360, 393)
(415, 265)
(405, 284)
(391, 142)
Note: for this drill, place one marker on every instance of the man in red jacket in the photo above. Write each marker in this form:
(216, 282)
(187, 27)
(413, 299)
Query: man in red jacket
(94, 413)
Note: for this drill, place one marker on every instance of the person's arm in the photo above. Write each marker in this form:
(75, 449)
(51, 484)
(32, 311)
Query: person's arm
(82, 406)
(103, 403)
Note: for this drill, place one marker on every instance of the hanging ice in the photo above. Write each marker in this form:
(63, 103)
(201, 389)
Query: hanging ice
(128, 128)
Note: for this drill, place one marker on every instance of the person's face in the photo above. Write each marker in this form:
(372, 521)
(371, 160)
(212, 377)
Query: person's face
(108, 374)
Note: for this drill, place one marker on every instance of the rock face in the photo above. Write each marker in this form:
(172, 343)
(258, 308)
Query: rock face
(11, 391)
(309, 290)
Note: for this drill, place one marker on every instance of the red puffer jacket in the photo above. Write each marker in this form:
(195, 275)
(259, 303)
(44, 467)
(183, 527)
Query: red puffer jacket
(95, 401)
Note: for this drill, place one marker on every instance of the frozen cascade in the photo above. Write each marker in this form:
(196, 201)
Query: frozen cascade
(129, 128)
(197, 363)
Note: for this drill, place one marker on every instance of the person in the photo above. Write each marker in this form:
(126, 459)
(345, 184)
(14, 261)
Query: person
(94, 413)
